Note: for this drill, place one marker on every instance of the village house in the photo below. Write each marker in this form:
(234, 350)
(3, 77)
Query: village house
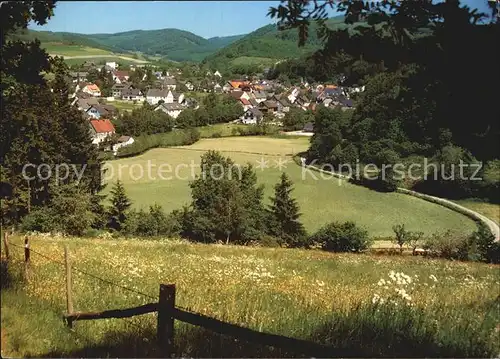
(171, 109)
(153, 96)
(237, 84)
(132, 94)
(217, 74)
(101, 111)
(120, 77)
(117, 90)
(218, 88)
(268, 106)
(92, 89)
(122, 142)
(173, 97)
(111, 65)
(252, 116)
(246, 104)
(260, 96)
(100, 130)
(84, 104)
(292, 97)
(238, 94)
(78, 76)
(170, 83)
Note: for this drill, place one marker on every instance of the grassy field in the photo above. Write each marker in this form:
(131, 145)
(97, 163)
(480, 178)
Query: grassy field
(451, 310)
(72, 50)
(125, 105)
(321, 199)
(490, 210)
(249, 60)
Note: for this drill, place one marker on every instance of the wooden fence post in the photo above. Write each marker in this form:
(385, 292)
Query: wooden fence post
(165, 330)
(26, 256)
(69, 295)
(6, 244)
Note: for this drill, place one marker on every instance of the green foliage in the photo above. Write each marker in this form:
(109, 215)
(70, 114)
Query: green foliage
(39, 125)
(39, 220)
(213, 109)
(480, 246)
(341, 237)
(143, 121)
(153, 223)
(406, 237)
(227, 203)
(284, 215)
(295, 119)
(175, 138)
(414, 103)
(120, 204)
(70, 212)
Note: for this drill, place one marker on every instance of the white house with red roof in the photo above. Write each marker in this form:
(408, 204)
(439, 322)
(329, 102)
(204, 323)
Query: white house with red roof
(92, 89)
(100, 130)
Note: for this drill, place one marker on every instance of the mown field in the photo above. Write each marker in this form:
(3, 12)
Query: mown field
(125, 105)
(72, 50)
(447, 309)
(321, 199)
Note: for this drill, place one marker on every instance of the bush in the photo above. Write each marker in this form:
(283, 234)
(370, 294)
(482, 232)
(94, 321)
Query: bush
(175, 138)
(39, 220)
(269, 241)
(341, 237)
(216, 135)
(153, 223)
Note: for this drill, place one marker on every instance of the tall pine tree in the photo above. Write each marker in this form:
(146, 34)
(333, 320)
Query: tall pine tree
(38, 124)
(285, 215)
(120, 204)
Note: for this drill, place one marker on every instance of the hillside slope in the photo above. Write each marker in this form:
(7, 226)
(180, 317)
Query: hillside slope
(270, 45)
(175, 44)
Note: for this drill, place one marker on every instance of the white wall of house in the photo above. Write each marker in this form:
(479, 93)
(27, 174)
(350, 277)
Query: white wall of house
(122, 144)
(99, 137)
(90, 92)
(155, 100)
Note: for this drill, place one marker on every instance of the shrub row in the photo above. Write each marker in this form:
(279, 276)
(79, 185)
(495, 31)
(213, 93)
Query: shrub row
(169, 139)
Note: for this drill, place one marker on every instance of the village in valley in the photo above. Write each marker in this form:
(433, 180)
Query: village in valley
(262, 100)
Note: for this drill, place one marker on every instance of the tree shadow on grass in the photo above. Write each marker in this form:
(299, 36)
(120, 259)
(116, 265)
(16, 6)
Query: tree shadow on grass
(190, 342)
(367, 332)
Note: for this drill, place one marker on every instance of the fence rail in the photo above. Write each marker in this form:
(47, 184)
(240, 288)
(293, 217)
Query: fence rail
(168, 312)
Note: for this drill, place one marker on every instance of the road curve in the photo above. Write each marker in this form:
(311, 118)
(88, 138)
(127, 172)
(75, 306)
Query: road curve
(493, 226)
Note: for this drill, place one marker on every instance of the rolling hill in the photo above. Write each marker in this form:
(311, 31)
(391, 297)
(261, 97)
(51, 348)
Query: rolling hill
(270, 45)
(175, 44)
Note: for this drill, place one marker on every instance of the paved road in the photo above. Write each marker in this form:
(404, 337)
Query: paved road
(93, 56)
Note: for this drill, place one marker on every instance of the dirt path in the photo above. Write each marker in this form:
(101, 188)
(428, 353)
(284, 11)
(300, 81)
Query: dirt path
(93, 56)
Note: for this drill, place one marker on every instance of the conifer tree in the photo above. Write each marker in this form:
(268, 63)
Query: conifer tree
(120, 203)
(285, 215)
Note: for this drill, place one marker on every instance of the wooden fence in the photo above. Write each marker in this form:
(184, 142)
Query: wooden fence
(168, 312)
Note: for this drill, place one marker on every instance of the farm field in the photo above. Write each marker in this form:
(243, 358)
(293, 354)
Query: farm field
(321, 199)
(449, 309)
(73, 50)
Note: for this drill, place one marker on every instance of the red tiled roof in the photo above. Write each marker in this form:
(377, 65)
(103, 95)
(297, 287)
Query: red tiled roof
(102, 126)
(244, 101)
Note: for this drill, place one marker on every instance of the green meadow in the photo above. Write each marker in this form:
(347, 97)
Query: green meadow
(321, 199)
